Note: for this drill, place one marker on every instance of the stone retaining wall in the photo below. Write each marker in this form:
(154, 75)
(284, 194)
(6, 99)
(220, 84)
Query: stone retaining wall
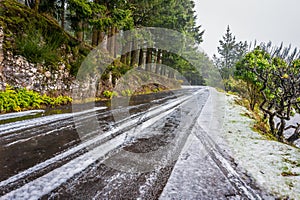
(18, 72)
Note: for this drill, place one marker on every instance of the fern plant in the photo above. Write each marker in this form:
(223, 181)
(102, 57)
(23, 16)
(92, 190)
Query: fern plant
(15, 100)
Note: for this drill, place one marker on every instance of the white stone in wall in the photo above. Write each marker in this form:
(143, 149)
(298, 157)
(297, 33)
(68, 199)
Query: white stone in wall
(48, 74)
(62, 66)
(33, 70)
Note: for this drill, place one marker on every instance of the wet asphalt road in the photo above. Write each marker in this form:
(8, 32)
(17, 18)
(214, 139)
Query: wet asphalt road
(129, 158)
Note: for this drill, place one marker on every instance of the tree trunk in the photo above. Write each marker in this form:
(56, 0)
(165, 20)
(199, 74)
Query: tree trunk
(134, 54)
(111, 41)
(163, 68)
(280, 131)
(79, 33)
(141, 58)
(154, 59)
(109, 34)
(62, 14)
(149, 59)
(125, 57)
(171, 73)
(294, 136)
(36, 6)
(117, 44)
(95, 36)
(272, 124)
(158, 62)
(100, 39)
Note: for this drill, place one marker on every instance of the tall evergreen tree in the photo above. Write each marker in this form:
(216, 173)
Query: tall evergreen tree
(230, 52)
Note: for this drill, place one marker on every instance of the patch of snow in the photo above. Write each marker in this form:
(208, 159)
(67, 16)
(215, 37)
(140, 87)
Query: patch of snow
(293, 121)
(20, 114)
(45, 184)
(263, 159)
(19, 125)
(36, 136)
(150, 180)
(113, 144)
(191, 86)
(297, 143)
(197, 175)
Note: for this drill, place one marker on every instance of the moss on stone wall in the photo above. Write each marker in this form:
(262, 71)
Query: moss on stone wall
(22, 26)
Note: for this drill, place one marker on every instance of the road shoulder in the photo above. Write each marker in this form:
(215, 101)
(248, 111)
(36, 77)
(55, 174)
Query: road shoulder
(260, 162)
(270, 163)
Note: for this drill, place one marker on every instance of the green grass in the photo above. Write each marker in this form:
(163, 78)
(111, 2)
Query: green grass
(33, 46)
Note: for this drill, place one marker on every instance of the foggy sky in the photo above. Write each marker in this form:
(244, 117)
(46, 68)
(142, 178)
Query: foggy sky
(264, 20)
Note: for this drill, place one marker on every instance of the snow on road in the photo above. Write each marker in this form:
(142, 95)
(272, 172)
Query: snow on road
(202, 171)
(19, 125)
(196, 174)
(20, 114)
(48, 182)
(264, 160)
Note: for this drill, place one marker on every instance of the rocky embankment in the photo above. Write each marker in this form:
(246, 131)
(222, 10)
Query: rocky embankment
(18, 72)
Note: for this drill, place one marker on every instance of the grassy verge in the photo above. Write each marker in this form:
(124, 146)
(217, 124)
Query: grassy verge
(273, 165)
(39, 38)
(261, 125)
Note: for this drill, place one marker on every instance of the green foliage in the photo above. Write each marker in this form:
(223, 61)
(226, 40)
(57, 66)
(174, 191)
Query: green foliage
(254, 62)
(289, 173)
(236, 86)
(38, 37)
(118, 69)
(275, 83)
(22, 99)
(192, 71)
(156, 90)
(44, 41)
(109, 94)
(127, 93)
(171, 14)
(230, 53)
(32, 45)
(80, 10)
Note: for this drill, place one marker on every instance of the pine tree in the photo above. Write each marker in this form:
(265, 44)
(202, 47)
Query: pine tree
(230, 52)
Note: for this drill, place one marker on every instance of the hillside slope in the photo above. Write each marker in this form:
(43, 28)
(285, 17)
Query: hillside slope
(35, 52)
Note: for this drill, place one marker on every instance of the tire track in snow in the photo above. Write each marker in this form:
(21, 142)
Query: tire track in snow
(116, 135)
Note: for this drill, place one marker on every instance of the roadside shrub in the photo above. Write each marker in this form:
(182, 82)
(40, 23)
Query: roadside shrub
(61, 100)
(127, 93)
(180, 81)
(235, 86)
(15, 100)
(108, 94)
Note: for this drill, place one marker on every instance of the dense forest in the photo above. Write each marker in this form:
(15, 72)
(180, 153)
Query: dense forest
(56, 37)
(93, 22)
